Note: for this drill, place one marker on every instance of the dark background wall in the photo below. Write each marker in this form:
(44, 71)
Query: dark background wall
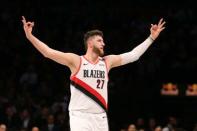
(134, 89)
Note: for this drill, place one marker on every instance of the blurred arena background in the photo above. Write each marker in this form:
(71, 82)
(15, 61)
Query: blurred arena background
(35, 87)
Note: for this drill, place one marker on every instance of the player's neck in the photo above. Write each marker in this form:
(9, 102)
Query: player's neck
(91, 56)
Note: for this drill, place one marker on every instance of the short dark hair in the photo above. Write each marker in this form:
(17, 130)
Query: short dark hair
(91, 33)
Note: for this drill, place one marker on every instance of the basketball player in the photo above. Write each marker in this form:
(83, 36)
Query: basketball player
(89, 74)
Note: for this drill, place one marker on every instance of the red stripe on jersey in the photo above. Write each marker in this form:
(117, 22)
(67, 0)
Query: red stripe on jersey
(90, 90)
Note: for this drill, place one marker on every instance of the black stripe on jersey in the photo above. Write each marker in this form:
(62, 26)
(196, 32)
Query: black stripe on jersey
(88, 94)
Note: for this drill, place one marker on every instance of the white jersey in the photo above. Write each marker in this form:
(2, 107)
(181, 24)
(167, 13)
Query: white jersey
(89, 87)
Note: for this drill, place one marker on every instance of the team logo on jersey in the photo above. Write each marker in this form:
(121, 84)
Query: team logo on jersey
(93, 74)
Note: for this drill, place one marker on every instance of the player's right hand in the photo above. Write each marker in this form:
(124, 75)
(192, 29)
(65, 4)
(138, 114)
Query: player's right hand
(27, 26)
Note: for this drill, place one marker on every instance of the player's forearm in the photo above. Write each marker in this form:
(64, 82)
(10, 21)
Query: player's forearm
(136, 52)
(39, 45)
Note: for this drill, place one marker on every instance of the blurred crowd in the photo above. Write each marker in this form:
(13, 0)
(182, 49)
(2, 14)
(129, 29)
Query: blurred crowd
(34, 91)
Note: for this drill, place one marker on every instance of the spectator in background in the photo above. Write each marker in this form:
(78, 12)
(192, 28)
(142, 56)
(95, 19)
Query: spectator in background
(2, 127)
(41, 119)
(173, 125)
(151, 124)
(11, 118)
(35, 128)
(131, 127)
(158, 128)
(140, 124)
(25, 119)
(51, 125)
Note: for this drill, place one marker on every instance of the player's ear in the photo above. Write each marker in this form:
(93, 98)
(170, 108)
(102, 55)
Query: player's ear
(90, 43)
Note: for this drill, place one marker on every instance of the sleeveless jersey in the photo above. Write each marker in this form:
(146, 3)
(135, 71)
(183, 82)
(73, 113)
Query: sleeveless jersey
(89, 87)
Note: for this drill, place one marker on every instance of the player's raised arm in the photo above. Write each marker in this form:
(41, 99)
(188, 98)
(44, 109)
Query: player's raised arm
(69, 59)
(133, 55)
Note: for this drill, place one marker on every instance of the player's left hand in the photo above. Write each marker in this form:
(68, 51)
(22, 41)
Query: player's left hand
(157, 28)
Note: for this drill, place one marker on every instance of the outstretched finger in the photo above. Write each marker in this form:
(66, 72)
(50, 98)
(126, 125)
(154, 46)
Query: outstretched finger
(23, 20)
(163, 23)
(162, 28)
(160, 21)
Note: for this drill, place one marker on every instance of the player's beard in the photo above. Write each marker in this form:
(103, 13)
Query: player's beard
(100, 52)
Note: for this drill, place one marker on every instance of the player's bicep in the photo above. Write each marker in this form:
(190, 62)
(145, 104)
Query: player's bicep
(113, 61)
(68, 59)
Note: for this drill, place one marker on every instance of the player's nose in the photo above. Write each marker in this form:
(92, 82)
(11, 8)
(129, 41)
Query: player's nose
(103, 44)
